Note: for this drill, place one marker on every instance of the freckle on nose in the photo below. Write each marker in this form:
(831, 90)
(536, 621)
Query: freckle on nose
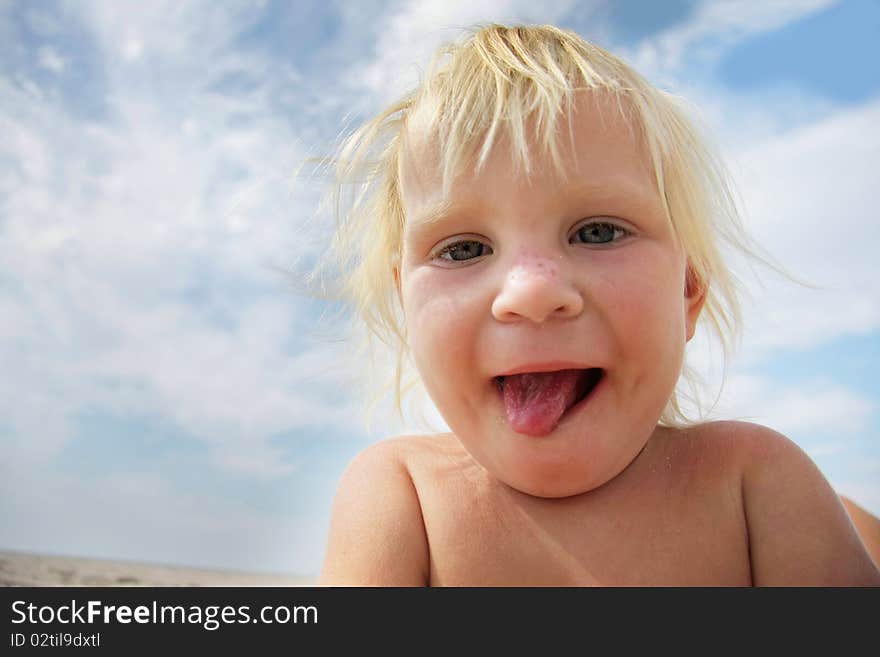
(535, 265)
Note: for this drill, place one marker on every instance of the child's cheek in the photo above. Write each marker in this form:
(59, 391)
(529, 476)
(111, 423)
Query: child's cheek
(437, 320)
(434, 319)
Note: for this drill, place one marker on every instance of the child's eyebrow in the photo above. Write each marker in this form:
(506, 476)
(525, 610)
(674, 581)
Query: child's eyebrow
(433, 213)
(612, 188)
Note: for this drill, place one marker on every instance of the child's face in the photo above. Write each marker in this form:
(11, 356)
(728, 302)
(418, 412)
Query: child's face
(582, 277)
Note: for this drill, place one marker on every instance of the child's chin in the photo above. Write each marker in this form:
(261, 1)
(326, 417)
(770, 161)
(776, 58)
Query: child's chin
(553, 491)
(557, 485)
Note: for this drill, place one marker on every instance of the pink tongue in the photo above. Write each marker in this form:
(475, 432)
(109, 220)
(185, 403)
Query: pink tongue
(536, 401)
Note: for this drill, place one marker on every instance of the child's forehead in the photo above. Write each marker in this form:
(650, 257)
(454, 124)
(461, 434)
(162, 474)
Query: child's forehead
(420, 158)
(595, 139)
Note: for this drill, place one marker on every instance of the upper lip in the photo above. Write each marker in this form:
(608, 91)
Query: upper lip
(546, 366)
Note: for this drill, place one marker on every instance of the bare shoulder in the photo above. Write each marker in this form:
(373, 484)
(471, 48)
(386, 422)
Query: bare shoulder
(412, 454)
(717, 450)
(799, 531)
(739, 440)
(397, 452)
(377, 535)
(744, 448)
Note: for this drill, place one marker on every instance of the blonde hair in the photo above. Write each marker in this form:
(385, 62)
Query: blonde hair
(518, 82)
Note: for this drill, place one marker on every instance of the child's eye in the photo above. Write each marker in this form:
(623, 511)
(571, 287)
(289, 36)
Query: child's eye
(463, 250)
(598, 232)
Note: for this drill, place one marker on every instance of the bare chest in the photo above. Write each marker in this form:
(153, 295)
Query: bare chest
(656, 536)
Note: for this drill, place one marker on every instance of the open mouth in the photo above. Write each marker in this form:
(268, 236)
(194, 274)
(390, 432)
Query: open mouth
(535, 402)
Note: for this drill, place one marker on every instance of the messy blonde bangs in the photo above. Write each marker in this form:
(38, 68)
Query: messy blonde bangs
(518, 85)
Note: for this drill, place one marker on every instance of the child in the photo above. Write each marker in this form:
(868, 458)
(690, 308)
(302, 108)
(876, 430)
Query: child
(542, 234)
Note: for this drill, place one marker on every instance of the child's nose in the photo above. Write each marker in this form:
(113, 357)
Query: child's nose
(534, 289)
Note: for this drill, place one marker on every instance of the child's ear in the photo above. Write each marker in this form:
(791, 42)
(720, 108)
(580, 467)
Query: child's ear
(396, 271)
(695, 290)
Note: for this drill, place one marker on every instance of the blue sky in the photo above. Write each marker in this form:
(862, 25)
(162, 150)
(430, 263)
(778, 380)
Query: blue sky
(167, 396)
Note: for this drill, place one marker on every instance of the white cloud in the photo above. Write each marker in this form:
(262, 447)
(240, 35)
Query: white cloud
(713, 28)
(829, 449)
(814, 408)
(137, 255)
(49, 59)
(132, 48)
(183, 31)
(808, 197)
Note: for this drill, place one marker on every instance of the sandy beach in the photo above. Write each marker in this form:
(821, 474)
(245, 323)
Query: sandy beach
(23, 569)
